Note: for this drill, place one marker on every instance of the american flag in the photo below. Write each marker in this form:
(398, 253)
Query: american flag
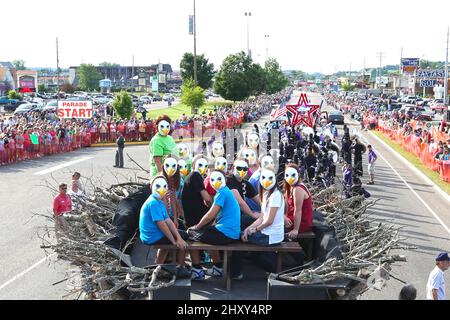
(279, 112)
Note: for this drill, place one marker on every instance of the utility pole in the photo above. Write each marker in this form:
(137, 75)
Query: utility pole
(380, 55)
(266, 36)
(446, 76)
(195, 47)
(57, 64)
(248, 14)
(363, 73)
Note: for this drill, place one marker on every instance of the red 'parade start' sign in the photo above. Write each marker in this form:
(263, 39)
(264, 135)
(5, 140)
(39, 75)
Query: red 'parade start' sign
(75, 109)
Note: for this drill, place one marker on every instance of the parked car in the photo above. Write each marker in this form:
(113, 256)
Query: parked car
(26, 107)
(145, 99)
(6, 100)
(168, 97)
(157, 97)
(51, 106)
(336, 117)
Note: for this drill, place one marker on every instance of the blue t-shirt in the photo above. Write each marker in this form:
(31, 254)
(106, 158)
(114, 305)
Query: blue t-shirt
(229, 217)
(254, 180)
(152, 211)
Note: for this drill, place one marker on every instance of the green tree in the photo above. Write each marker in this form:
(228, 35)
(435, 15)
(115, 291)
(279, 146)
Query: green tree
(348, 87)
(109, 64)
(275, 79)
(89, 77)
(192, 95)
(42, 88)
(239, 78)
(19, 64)
(205, 70)
(14, 95)
(123, 105)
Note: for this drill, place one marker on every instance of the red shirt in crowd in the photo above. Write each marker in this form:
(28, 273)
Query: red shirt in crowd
(62, 204)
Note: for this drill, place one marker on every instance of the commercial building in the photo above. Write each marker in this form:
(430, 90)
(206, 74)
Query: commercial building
(142, 78)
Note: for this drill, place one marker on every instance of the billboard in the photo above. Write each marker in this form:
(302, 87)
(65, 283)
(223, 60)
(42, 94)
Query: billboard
(410, 65)
(75, 109)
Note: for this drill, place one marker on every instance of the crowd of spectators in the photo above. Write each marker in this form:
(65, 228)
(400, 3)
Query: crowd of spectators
(427, 140)
(36, 134)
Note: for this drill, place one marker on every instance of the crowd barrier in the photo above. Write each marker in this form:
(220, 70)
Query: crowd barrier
(37, 147)
(413, 144)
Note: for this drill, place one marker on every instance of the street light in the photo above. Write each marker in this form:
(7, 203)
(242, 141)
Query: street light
(266, 36)
(248, 14)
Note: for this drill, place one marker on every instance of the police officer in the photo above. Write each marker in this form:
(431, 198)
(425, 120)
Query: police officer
(119, 152)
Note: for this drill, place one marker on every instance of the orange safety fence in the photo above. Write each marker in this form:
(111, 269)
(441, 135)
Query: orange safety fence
(413, 144)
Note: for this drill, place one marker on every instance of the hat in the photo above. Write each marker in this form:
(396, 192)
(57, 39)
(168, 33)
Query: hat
(443, 256)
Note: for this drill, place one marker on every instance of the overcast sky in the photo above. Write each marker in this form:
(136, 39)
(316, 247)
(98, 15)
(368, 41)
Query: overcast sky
(314, 36)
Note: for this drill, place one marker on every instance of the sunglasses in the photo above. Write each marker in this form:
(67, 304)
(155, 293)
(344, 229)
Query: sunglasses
(241, 168)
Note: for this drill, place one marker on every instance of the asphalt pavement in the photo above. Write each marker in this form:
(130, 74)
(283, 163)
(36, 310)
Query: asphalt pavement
(406, 200)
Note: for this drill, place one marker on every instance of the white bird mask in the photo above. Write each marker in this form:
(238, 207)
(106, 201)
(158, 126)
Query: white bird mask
(267, 163)
(159, 187)
(267, 179)
(184, 171)
(217, 180)
(170, 166)
(218, 149)
(163, 128)
(253, 140)
(183, 150)
(221, 164)
(250, 155)
(201, 166)
(291, 176)
(240, 169)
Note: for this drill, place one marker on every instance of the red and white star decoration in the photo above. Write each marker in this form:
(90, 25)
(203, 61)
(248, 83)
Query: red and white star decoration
(303, 112)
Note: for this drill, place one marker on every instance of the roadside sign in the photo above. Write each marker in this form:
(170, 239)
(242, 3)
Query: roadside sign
(439, 73)
(427, 83)
(409, 65)
(75, 109)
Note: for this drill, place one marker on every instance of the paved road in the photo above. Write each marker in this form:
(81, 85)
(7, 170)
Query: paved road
(26, 274)
(412, 204)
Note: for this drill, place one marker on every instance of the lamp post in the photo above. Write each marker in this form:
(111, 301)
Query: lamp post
(266, 36)
(248, 14)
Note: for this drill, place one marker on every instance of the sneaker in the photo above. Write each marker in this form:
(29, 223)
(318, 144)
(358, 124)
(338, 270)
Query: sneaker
(214, 272)
(240, 276)
(197, 274)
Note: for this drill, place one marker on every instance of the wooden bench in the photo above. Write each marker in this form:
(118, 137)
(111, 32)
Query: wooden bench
(237, 246)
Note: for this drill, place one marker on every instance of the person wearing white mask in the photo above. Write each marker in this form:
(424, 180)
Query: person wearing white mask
(268, 229)
(175, 186)
(155, 225)
(161, 145)
(226, 212)
(220, 163)
(195, 199)
(242, 189)
(265, 162)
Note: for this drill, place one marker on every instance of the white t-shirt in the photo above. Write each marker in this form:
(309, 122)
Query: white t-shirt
(276, 230)
(436, 281)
